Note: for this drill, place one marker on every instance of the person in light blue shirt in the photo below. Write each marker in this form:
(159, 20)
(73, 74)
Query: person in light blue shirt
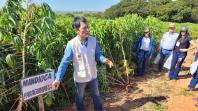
(167, 44)
(83, 50)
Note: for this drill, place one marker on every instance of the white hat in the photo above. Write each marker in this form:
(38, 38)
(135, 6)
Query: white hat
(171, 25)
(146, 29)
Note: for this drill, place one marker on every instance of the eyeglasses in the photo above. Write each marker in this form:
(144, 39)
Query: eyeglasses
(171, 28)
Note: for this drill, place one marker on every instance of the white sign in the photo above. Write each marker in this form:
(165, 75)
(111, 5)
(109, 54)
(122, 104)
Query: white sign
(36, 85)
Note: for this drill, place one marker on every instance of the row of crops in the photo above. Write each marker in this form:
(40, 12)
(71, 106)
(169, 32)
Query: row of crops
(32, 40)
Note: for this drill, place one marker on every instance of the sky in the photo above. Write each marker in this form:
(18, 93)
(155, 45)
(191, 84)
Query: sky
(75, 5)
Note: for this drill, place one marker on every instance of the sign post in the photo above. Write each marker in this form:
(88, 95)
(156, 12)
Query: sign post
(37, 85)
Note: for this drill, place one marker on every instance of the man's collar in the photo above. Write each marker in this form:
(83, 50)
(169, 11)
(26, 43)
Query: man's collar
(81, 39)
(171, 33)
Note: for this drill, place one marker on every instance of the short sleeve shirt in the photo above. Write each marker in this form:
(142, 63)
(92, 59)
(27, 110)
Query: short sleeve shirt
(183, 43)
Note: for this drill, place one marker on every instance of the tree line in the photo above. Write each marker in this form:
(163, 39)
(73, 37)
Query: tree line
(165, 10)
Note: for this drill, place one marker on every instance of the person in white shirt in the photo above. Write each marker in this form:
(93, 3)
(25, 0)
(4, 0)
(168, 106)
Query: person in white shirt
(167, 44)
(144, 47)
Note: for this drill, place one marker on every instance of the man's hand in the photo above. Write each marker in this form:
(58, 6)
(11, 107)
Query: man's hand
(145, 49)
(159, 50)
(109, 63)
(55, 84)
(183, 50)
(150, 58)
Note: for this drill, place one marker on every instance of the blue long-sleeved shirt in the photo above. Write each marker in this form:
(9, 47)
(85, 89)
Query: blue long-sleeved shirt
(68, 57)
(137, 46)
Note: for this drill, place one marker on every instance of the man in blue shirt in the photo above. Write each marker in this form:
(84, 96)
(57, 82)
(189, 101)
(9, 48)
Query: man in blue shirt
(83, 51)
(167, 44)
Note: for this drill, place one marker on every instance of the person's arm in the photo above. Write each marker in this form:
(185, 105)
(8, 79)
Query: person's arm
(101, 58)
(98, 54)
(134, 46)
(68, 55)
(160, 45)
(152, 48)
(194, 45)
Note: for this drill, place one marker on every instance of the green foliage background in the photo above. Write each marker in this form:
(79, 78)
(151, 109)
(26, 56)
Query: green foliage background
(165, 10)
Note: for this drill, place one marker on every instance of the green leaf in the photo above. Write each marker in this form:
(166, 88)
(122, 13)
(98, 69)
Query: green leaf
(11, 60)
(1, 36)
(12, 20)
(18, 42)
(37, 28)
(49, 98)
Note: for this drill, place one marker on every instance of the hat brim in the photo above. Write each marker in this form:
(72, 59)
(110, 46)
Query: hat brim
(171, 26)
(183, 30)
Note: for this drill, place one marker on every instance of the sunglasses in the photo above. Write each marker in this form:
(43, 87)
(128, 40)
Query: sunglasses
(146, 32)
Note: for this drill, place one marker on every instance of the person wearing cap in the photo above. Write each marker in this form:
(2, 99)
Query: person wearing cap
(180, 52)
(145, 48)
(166, 45)
(83, 50)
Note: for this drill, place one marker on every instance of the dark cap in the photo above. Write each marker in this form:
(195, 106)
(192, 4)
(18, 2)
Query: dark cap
(184, 29)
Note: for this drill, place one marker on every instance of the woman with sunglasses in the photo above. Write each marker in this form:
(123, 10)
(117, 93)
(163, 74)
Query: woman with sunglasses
(144, 47)
(180, 52)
